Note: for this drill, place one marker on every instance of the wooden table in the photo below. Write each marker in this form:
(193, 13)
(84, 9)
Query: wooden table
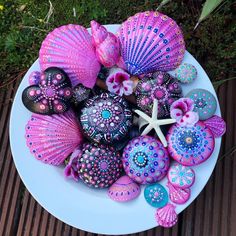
(213, 213)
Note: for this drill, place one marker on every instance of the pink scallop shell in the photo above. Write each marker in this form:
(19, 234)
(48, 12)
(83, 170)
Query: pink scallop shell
(52, 139)
(124, 189)
(151, 41)
(166, 216)
(178, 195)
(70, 48)
(217, 125)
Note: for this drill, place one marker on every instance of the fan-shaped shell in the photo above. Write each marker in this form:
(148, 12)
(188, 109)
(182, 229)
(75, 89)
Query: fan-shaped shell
(52, 139)
(178, 195)
(217, 125)
(124, 189)
(166, 216)
(70, 48)
(151, 41)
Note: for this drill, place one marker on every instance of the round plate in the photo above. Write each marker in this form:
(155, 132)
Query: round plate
(75, 203)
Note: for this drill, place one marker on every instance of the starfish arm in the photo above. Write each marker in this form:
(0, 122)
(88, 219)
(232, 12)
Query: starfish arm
(161, 136)
(143, 115)
(155, 109)
(141, 122)
(147, 130)
(166, 121)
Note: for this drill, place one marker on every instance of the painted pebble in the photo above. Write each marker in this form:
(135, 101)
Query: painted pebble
(80, 93)
(100, 165)
(156, 195)
(181, 176)
(190, 145)
(124, 190)
(145, 160)
(106, 118)
(186, 73)
(204, 103)
(52, 95)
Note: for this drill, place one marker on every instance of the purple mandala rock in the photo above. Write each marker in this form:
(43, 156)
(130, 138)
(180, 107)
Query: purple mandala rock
(160, 86)
(51, 95)
(145, 160)
(106, 118)
(100, 165)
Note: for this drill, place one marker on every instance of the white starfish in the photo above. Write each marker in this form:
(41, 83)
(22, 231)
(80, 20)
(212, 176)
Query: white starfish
(154, 123)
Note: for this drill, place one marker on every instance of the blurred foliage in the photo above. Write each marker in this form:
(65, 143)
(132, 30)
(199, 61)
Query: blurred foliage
(25, 23)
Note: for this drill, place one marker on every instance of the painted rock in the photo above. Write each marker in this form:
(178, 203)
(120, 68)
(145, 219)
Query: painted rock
(80, 94)
(145, 160)
(186, 73)
(106, 118)
(181, 176)
(100, 165)
(204, 103)
(52, 95)
(190, 145)
(124, 189)
(160, 86)
(156, 195)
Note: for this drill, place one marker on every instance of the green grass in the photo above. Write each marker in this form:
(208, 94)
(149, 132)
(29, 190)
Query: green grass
(24, 24)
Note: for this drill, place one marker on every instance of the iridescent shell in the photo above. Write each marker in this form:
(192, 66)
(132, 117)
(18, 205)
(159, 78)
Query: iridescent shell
(124, 189)
(52, 139)
(70, 47)
(34, 77)
(151, 41)
(217, 125)
(166, 216)
(106, 44)
(178, 195)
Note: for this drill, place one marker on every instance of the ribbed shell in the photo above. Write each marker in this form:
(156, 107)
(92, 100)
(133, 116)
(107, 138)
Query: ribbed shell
(151, 41)
(166, 216)
(70, 47)
(52, 139)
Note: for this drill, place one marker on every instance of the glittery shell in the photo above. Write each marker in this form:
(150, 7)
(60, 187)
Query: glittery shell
(100, 165)
(156, 195)
(160, 86)
(80, 93)
(181, 176)
(106, 118)
(52, 95)
(145, 160)
(204, 103)
(190, 145)
(186, 73)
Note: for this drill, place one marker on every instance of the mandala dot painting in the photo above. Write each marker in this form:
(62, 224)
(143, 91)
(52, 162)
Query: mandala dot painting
(190, 145)
(106, 118)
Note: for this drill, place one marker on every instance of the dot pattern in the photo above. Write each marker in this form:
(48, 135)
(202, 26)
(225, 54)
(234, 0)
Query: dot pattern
(145, 160)
(106, 118)
(181, 176)
(190, 145)
(156, 195)
(186, 73)
(52, 95)
(204, 103)
(100, 165)
(80, 93)
(160, 86)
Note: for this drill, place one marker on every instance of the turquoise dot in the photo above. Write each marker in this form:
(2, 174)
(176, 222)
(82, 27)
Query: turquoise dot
(140, 159)
(106, 114)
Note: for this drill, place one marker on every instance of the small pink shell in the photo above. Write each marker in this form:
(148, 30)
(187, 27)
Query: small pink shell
(124, 189)
(217, 125)
(70, 48)
(34, 77)
(166, 216)
(99, 32)
(52, 139)
(178, 195)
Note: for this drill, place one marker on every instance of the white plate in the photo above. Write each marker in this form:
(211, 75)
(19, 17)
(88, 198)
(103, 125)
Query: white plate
(76, 204)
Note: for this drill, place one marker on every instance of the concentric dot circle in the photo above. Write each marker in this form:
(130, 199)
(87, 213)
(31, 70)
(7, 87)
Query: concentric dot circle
(156, 195)
(100, 165)
(145, 160)
(190, 145)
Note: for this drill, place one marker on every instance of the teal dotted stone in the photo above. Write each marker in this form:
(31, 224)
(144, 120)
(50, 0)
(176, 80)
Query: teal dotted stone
(186, 73)
(156, 195)
(204, 103)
